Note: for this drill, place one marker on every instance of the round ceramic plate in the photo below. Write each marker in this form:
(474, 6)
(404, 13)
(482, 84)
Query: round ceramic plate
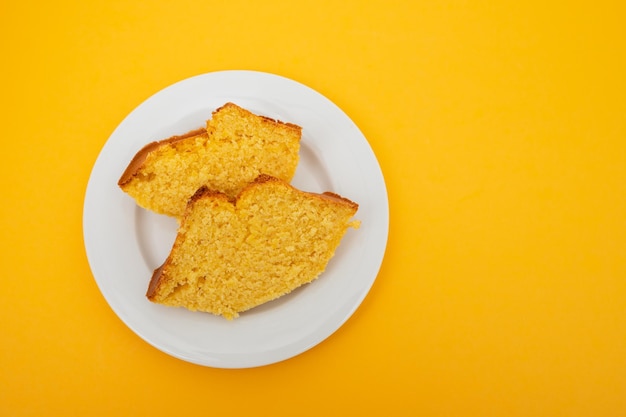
(125, 243)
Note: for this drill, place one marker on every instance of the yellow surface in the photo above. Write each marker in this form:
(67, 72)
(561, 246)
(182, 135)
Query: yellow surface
(501, 131)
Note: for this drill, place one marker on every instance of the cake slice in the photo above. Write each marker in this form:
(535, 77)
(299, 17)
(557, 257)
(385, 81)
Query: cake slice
(234, 254)
(235, 147)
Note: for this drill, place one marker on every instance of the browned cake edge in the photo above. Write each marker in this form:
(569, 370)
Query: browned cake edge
(264, 118)
(155, 281)
(140, 157)
(325, 195)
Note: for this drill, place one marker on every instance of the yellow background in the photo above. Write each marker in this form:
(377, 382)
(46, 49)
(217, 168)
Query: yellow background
(501, 131)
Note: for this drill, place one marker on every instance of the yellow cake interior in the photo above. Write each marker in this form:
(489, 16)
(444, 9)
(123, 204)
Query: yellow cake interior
(230, 256)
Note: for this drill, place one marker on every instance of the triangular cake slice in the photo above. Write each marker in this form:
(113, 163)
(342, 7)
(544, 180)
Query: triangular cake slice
(234, 254)
(235, 147)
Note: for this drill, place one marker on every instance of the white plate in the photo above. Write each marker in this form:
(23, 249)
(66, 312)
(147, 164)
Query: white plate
(125, 243)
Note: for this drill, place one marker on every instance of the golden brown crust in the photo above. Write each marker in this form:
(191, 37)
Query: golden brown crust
(155, 281)
(337, 197)
(204, 191)
(140, 157)
(263, 118)
(325, 195)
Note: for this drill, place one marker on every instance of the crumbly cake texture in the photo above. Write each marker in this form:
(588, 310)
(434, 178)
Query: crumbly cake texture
(235, 147)
(231, 255)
